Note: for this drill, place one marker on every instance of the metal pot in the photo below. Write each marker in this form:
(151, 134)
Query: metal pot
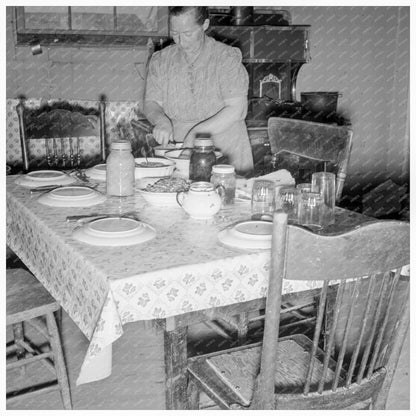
(320, 102)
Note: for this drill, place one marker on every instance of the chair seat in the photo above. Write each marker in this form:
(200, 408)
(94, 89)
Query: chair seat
(231, 375)
(26, 297)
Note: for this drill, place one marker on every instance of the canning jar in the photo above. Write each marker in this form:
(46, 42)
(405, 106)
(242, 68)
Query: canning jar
(223, 178)
(120, 169)
(202, 160)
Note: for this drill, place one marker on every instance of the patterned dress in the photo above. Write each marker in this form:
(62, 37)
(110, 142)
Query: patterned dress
(191, 93)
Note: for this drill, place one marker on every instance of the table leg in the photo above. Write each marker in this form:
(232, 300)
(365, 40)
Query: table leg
(176, 368)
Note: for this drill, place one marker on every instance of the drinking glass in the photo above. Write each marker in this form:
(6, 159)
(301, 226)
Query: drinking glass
(262, 199)
(304, 187)
(324, 183)
(311, 210)
(287, 201)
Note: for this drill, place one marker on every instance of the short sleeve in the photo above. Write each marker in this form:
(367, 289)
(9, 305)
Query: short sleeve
(233, 77)
(153, 91)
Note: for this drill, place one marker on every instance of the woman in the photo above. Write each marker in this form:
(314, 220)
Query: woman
(199, 85)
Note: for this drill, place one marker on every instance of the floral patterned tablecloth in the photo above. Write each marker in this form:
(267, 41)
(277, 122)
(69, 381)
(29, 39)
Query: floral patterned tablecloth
(184, 268)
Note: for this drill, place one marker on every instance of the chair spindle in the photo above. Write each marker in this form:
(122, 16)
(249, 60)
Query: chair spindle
(316, 336)
(369, 300)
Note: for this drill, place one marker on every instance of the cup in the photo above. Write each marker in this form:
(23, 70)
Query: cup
(262, 199)
(287, 201)
(311, 209)
(324, 183)
(304, 187)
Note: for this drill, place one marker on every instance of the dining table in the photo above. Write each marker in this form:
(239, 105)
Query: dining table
(182, 276)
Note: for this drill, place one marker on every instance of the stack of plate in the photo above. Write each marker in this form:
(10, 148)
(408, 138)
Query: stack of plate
(44, 178)
(248, 235)
(72, 196)
(114, 231)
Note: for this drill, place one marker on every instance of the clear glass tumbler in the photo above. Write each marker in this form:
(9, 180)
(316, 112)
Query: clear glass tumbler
(287, 200)
(311, 209)
(324, 183)
(262, 199)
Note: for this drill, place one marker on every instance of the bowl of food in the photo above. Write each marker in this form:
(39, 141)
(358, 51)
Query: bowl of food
(182, 161)
(154, 167)
(162, 192)
(161, 150)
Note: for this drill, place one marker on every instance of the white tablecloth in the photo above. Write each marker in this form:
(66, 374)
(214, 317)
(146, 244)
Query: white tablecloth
(102, 288)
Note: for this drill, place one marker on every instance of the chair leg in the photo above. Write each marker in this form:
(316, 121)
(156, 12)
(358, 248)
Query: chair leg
(59, 361)
(242, 328)
(193, 394)
(18, 335)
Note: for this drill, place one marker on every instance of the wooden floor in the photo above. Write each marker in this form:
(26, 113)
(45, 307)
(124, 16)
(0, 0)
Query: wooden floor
(120, 390)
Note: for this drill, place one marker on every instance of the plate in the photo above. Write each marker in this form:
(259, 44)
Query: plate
(252, 235)
(44, 178)
(114, 231)
(97, 172)
(45, 175)
(72, 196)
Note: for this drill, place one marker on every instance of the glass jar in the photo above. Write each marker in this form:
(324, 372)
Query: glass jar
(202, 160)
(223, 178)
(120, 169)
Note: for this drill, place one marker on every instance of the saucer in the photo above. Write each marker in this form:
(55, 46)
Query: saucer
(114, 231)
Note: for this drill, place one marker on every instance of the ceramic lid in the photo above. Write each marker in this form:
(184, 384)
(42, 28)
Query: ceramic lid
(201, 187)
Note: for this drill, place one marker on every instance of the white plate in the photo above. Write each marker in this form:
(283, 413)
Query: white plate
(43, 178)
(72, 196)
(45, 175)
(248, 235)
(97, 172)
(114, 231)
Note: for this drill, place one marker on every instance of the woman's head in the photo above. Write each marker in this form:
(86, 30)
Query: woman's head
(187, 26)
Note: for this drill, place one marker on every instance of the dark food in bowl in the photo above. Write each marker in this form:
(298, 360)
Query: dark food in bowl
(168, 185)
(150, 165)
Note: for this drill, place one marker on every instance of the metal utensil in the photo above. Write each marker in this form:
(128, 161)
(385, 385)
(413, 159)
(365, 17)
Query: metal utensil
(48, 188)
(96, 216)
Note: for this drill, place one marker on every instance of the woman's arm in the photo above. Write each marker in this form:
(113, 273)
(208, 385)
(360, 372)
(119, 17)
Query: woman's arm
(163, 130)
(235, 109)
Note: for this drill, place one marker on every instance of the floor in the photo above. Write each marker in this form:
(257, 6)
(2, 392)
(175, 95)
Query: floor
(118, 391)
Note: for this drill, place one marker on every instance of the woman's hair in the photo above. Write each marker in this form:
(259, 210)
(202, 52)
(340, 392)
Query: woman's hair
(201, 12)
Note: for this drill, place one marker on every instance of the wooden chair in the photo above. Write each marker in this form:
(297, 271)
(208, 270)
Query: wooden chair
(326, 144)
(360, 328)
(62, 127)
(29, 302)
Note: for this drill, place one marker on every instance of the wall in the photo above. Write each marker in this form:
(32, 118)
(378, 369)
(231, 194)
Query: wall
(78, 73)
(362, 52)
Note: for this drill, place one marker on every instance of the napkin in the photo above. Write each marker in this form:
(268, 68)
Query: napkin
(245, 186)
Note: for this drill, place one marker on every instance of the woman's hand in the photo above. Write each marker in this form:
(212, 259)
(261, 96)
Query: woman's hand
(163, 132)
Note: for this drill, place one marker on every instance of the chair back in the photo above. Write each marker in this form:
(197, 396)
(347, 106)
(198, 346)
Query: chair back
(362, 313)
(330, 144)
(64, 129)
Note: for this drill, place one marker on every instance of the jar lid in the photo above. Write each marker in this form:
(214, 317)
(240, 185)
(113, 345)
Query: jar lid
(223, 169)
(203, 142)
(121, 145)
